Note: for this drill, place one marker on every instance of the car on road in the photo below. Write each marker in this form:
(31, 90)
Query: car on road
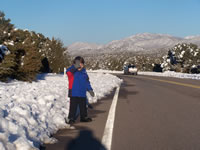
(195, 69)
(130, 69)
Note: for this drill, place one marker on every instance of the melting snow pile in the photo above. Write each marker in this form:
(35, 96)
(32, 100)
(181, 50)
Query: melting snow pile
(162, 74)
(31, 112)
(106, 71)
(172, 74)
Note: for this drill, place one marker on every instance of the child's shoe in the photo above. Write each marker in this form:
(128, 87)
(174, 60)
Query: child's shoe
(87, 119)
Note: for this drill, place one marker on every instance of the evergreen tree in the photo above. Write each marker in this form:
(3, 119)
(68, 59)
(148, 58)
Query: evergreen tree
(184, 58)
(5, 27)
(57, 56)
(30, 53)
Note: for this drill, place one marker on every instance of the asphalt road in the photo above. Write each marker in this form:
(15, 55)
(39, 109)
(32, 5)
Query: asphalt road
(157, 113)
(153, 113)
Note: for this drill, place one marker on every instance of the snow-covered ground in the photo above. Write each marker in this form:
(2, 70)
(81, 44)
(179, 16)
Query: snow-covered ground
(31, 112)
(164, 74)
(105, 71)
(172, 74)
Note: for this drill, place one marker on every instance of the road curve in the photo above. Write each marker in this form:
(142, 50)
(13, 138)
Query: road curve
(157, 113)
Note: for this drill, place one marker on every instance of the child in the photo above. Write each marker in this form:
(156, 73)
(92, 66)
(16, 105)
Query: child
(79, 84)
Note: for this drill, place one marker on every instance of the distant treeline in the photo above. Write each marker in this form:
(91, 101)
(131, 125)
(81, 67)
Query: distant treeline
(181, 58)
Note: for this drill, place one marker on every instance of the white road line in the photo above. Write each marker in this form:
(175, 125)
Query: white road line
(108, 131)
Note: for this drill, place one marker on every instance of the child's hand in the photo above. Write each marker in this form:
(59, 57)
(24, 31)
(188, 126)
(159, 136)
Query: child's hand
(91, 93)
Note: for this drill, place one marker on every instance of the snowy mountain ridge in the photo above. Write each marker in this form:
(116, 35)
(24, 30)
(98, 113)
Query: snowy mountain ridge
(142, 43)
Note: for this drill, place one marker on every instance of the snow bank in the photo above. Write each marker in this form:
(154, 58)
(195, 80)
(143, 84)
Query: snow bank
(164, 74)
(172, 74)
(31, 112)
(106, 71)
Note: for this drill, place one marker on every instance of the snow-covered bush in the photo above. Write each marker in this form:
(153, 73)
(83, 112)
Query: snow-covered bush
(30, 53)
(182, 58)
(116, 61)
(5, 27)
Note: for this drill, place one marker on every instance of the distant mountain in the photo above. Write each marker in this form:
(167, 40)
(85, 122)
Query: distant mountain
(140, 43)
(193, 39)
(81, 47)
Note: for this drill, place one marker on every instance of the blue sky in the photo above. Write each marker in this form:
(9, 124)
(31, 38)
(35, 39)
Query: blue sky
(101, 21)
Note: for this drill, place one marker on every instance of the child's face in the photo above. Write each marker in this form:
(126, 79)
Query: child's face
(81, 66)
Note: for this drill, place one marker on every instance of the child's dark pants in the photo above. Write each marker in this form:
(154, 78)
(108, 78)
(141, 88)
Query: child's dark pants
(74, 103)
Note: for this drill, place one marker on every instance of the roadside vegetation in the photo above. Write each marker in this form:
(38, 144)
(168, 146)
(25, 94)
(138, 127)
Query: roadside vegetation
(181, 58)
(30, 53)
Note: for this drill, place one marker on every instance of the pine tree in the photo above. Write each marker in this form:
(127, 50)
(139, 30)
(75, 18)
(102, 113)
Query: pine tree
(57, 56)
(5, 27)
(31, 53)
(186, 57)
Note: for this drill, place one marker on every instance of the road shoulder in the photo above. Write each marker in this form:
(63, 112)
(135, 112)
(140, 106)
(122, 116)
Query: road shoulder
(95, 129)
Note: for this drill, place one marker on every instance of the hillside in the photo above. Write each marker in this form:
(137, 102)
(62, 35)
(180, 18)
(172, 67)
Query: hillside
(144, 43)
